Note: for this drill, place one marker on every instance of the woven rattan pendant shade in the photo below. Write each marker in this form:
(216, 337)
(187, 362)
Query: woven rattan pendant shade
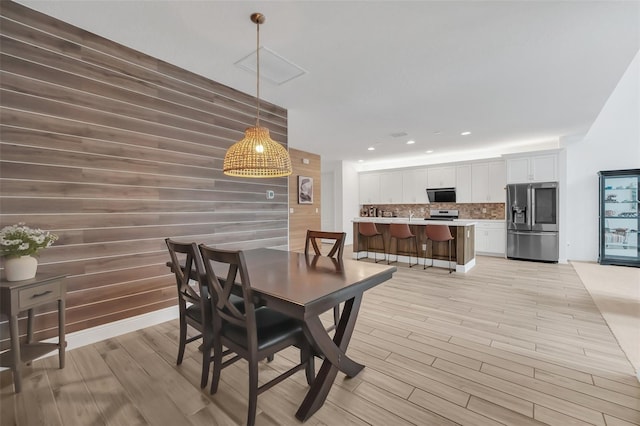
(257, 155)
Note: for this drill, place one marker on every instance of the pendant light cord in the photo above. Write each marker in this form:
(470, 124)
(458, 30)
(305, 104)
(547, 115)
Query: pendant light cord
(258, 74)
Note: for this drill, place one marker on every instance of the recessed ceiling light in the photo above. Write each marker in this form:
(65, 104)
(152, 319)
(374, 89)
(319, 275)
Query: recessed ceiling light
(371, 148)
(465, 133)
(360, 161)
(410, 142)
(429, 151)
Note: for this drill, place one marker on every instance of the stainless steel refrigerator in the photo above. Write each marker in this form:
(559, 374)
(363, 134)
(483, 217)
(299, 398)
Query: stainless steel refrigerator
(532, 221)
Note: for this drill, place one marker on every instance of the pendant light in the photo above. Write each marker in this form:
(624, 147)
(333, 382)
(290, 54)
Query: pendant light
(257, 155)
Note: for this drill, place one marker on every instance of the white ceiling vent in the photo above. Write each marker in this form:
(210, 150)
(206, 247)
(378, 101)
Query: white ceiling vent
(273, 67)
(399, 134)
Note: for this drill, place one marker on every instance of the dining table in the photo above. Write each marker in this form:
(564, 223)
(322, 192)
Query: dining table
(306, 286)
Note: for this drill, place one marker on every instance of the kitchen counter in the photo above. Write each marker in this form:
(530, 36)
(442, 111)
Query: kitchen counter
(431, 252)
(416, 221)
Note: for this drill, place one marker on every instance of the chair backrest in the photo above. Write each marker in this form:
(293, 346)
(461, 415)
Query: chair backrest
(338, 242)
(368, 229)
(184, 257)
(400, 230)
(438, 232)
(221, 288)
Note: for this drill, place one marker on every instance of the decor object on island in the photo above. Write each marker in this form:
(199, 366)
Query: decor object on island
(305, 190)
(18, 244)
(257, 155)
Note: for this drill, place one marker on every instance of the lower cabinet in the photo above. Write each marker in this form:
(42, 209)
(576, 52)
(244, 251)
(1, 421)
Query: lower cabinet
(491, 238)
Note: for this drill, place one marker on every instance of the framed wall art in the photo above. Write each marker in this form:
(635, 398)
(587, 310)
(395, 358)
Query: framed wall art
(305, 190)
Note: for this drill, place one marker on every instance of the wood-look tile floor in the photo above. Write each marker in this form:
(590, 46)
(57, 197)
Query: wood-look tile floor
(510, 342)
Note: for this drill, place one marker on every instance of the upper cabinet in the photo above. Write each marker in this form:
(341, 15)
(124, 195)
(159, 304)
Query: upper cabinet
(488, 182)
(533, 168)
(391, 187)
(369, 188)
(463, 184)
(414, 186)
(441, 177)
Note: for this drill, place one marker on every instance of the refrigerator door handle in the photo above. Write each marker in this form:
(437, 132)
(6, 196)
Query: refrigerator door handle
(532, 233)
(532, 207)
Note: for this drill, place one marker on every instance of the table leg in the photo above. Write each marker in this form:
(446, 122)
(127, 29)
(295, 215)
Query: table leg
(15, 352)
(30, 326)
(61, 338)
(335, 357)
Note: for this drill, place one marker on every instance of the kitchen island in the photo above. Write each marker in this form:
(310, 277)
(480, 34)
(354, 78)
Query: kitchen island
(433, 252)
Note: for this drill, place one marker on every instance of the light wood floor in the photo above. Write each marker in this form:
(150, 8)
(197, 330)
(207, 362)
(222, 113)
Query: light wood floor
(510, 342)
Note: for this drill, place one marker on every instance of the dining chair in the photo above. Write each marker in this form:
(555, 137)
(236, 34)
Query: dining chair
(193, 302)
(401, 231)
(440, 233)
(316, 238)
(252, 333)
(370, 230)
(335, 252)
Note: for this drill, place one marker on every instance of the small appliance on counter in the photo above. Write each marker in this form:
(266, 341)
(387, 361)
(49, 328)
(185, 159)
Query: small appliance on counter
(442, 214)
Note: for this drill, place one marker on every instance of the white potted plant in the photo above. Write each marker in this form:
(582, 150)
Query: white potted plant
(18, 245)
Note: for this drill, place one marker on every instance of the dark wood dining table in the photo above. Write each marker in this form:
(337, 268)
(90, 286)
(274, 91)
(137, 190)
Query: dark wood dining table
(304, 287)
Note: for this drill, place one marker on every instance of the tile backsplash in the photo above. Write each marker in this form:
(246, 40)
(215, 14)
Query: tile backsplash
(495, 211)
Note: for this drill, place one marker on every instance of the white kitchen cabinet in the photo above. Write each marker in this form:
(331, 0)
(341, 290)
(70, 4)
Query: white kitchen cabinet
(491, 237)
(369, 190)
(441, 177)
(488, 182)
(463, 184)
(534, 168)
(391, 187)
(414, 186)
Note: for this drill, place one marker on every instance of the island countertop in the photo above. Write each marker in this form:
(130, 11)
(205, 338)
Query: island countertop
(416, 221)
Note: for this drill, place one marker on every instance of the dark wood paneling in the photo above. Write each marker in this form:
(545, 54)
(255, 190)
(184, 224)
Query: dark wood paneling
(114, 151)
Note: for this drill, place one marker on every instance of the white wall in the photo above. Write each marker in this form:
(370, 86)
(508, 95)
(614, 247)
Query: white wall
(612, 143)
(345, 200)
(350, 198)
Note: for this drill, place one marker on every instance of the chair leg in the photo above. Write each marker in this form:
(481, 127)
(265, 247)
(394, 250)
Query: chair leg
(253, 392)
(206, 358)
(270, 358)
(425, 257)
(450, 270)
(384, 248)
(183, 340)
(415, 243)
(389, 262)
(217, 366)
(336, 314)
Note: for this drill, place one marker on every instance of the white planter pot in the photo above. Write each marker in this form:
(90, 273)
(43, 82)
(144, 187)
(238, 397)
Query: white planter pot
(20, 268)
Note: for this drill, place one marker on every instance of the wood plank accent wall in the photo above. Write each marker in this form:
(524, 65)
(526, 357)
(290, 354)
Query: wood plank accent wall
(114, 151)
(304, 216)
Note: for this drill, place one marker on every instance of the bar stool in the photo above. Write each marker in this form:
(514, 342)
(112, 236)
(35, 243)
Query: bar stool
(439, 233)
(401, 231)
(369, 230)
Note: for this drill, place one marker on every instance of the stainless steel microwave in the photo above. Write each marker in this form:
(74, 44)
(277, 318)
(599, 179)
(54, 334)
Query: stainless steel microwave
(441, 195)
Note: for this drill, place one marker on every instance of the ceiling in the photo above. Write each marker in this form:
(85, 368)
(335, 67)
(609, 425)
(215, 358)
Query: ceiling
(517, 75)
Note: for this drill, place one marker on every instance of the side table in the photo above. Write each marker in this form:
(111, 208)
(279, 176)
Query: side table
(19, 296)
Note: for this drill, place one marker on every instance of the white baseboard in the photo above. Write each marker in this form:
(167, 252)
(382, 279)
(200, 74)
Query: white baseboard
(430, 262)
(117, 328)
(106, 331)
